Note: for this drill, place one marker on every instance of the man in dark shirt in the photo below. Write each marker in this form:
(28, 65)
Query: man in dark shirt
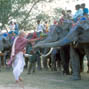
(32, 61)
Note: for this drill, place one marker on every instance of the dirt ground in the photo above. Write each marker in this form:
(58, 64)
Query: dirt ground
(43, 80)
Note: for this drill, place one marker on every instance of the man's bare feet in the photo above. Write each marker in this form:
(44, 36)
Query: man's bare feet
(17, 81)
(20, 79)
(20, 84)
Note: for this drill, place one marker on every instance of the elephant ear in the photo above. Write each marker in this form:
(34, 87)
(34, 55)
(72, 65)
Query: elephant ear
(84, 37)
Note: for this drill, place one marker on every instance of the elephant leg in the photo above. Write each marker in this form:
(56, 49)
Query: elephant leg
(5, 57)
(62, 59)
(86, 48)
(74, 57)
(65, 61)
(55, 67)
(53, 60)
(0, 63)
(59, 63)
(49, 63)
(81, 56)
(81, 65)
(58, 59)
(45, 63)
(39, 62)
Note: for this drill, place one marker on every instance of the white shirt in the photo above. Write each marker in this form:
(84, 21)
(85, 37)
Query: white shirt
(78, 13)
(40, 28)
(12, 27)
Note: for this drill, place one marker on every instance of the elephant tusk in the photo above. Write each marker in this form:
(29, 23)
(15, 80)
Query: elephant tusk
(27, 55)
(48, 53)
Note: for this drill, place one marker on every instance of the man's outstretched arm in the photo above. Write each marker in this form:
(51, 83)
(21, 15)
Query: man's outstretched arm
(33, 40)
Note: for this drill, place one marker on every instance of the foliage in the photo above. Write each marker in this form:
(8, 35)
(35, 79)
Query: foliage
(57, 12)
(42, 16)
(5, 10)
(21, 10)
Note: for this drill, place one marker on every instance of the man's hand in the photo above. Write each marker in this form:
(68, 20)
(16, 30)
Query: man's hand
(32, 40)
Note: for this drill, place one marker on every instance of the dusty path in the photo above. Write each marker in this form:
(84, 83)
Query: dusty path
(43, 80)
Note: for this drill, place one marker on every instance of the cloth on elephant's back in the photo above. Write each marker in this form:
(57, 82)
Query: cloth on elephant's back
(85, 25)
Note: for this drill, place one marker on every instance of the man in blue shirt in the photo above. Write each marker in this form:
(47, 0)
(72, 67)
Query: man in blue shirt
(78, 13)
(85, 10)
(16, 28)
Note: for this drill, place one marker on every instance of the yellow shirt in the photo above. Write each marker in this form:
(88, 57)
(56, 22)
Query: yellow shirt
(46, 27)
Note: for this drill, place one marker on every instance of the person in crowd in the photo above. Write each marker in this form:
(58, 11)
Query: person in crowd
(69, 14)
(32, 61)
(46, 26)
(12, 26)
(52, 27)
(85, 10)
(40, 27)
(17, 58)
(64, 15)
(13, 37)
(16, 28)
(78, 13)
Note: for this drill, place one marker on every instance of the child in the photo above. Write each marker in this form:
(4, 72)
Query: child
(32, 61)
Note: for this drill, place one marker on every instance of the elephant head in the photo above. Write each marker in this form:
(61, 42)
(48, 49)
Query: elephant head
(76, 34)
(56, 34)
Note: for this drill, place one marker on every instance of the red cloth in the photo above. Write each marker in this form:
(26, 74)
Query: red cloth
(55, 22)
(61, 20)
(34, 35)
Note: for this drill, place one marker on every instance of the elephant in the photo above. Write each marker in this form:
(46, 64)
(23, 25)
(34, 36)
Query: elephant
(77, 37)
(5, 46)
(56, 34)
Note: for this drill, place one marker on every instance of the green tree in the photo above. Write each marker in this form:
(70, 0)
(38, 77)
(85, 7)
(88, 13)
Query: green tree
(5, 10)
(57, 12)
(16, 9)
(23, 15)
(43, 16)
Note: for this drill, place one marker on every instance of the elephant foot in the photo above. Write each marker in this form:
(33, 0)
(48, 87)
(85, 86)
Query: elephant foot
(28, 73)
(66, 73)
(39, 69)
(74, 78)
(55, 69)
(88, 71)
(81, 70)
(46, 69)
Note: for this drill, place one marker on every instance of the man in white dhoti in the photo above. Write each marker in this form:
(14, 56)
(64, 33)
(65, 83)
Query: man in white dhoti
(17, 58)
